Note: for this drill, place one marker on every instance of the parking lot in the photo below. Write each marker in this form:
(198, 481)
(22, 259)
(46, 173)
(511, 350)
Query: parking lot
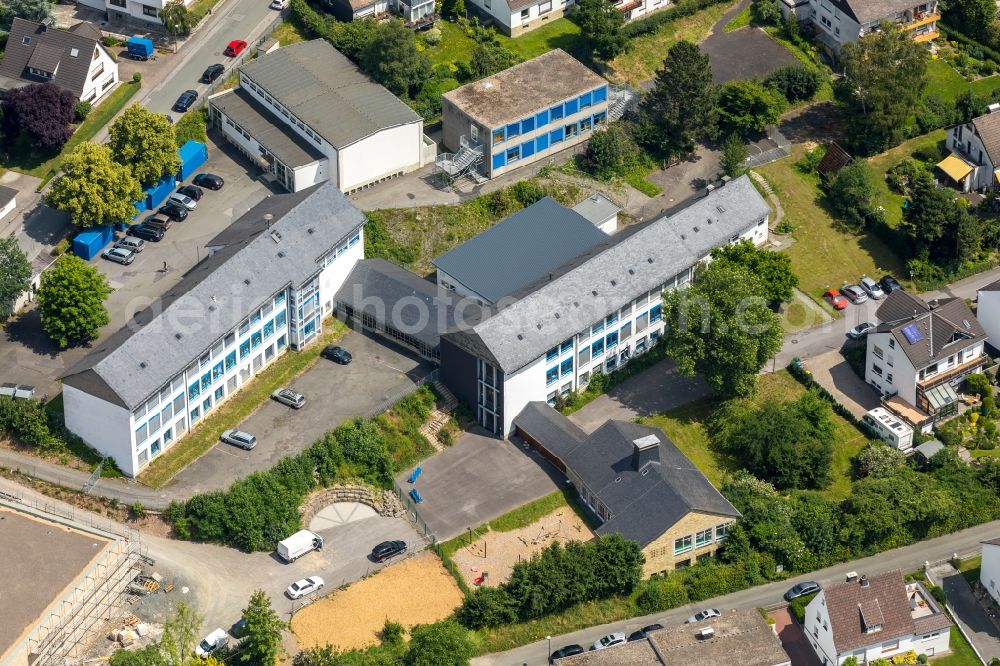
(334, 393)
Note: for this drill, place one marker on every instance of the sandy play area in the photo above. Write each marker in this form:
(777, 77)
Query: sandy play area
(502, 549)
(417, 590)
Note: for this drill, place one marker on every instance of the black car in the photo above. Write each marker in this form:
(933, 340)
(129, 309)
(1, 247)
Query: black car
(337, 354)
(175, 212)
(567, 651)
(209, 180)
(192, 191)
(387, 549)
(238, 630)
(889, 284)
(641, 634)
(145, 232)
(802, 589)
(185, 101)
(212, 73)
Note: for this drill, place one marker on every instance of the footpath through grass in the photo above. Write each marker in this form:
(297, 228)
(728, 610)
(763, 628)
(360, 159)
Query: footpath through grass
(206, 433)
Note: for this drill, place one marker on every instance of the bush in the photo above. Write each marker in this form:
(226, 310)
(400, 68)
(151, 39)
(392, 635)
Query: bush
(81, 110)
(660, 594)
(798, 607)
(810, 161)
(136, 77)
(612, 152)
(939, 595)
(487, 607)
(28, 422)
(433, 36)
(797, 83)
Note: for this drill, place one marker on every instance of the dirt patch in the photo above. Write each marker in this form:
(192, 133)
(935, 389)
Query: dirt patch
(491, 558)
(417, 590)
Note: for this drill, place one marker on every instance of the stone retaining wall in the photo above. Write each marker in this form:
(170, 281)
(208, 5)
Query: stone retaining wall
(385, 502)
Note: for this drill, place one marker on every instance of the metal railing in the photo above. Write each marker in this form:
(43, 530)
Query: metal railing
(390, 401)
(782, 149)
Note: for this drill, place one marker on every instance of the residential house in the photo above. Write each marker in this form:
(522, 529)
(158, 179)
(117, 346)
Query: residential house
(921, 352)
(989, 570)
(838, 22)
(637, 484)
(876, 617)
(974, 160)
(73, 59)
(418, 14)
(142, 13)
(264, 286)
(516, 17)
(988, 311)
(305, 114)
(350, 10)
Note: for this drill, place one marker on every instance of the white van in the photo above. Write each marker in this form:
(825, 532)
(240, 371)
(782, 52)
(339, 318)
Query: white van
(299, 544)
(890, 428)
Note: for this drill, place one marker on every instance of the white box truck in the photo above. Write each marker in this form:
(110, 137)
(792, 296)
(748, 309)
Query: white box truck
(299, 544)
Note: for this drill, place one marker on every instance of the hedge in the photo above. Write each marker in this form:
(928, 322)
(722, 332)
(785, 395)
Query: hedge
(956, 36)
(656, 21)
(806, 379)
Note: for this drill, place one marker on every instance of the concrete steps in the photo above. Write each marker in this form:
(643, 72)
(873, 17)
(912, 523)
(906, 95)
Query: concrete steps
(439, 416)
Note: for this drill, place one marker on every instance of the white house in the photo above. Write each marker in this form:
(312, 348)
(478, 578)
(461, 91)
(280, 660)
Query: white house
(875, 617)
(516, 17)
(73, 59)
(306, 114)
(989, 571)
(921, 352)
(838, 22)
(139, 12)
(265, 285)
(975, 152)
(988, 311)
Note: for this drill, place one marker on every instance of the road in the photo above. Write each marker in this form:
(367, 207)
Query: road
(905, 559)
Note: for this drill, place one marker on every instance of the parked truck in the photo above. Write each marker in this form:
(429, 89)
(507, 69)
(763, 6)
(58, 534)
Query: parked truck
(299, 544)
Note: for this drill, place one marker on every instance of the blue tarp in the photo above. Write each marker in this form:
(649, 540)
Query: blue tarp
(157, 193)
(88, 244)
(193, 154)
(139, 47)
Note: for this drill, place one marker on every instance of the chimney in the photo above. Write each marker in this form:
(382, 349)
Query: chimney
(645, 450)
(864, 580)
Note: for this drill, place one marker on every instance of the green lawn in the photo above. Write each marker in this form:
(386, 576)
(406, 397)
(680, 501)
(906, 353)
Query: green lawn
(287, 33)
(686, 426)
(892, 201)
(961, 652)
(741, 20)
(454, 46)
(970, 569)
(559, 34)
(947, 83)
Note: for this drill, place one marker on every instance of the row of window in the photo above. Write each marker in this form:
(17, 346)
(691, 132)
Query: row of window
(548, 140)
(329, 259)
(552, 115)
(700, 539)
(641, 344)
(292, 120)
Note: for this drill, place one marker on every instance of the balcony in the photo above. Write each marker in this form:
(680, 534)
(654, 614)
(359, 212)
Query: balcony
(959, 370)
(921, 19)
(926, 36)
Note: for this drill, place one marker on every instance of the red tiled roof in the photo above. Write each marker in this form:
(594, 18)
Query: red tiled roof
(852, 605)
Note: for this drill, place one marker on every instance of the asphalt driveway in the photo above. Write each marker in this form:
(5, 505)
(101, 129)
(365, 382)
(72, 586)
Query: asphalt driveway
(334, 394)
(743, 54)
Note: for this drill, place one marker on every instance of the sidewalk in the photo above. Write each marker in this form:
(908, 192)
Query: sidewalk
(978, 628)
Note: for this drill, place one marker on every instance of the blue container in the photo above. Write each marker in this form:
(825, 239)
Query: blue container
(139, 48)
(193, 154)
(88, 244)
(156, 194)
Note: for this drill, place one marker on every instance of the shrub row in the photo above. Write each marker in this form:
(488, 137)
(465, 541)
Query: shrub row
(656, 21)
(955, 36)
(806, 379)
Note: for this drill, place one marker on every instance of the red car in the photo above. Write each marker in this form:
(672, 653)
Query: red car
(235, 48)
(835, 299)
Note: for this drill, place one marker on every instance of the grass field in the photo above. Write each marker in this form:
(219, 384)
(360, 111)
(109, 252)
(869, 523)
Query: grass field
(559, 34)
(687, 427)
(287, 33)
(947, 83)
(891, 201)
(741, 20)
(961, 652)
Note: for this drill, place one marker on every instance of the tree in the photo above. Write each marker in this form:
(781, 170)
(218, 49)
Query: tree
(180, 634)
(765, 12)
(734, 156)
(853, 194)
(453, 9)
(15, 275)
(939, 225)
(975, 18)
(612, 152)
(796, 83)
(146, 143)
(71, 301)
(487, 607)
(440, 644)
(884, 80)
(488, 59)
(95, 190)
(42, 113)
(877, 459)
(147, 656)
(392, 59)
(747, 107)
(721, 328)
(772, 269)
(601, 26)
(263, 629)
(681, 106)
(177, 20)
(30, 10)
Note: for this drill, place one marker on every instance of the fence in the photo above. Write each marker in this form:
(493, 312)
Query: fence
(400, 393)
(248, 53)
(782, 148)
(414, 515)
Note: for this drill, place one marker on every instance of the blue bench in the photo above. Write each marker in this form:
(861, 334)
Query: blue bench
(415, 494)
(413, 475)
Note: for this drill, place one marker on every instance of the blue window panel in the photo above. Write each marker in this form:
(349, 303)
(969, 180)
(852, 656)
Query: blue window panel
(542, 142)
(527, 149)
(611, 339)
(566, 367)
(268, 329)
(279, 320)
(597, 348)
(552, 353)
(572, 106)
(514, 129)
(611, 319)
(217, 371)
(255, 318)
(244, 349)
(255, 340)
(499, 160)
(556, 112)
(528, 125)
(586, 100)
(499, 135)
(206, 380)
(551, 375)
(566, 346)
(597, 328)
(310, 328)
(231, 361)
(194, 391)
(355, 239)
(656, 313)
(542, 119)
(555, 136)
(600, 94)
(279, 299)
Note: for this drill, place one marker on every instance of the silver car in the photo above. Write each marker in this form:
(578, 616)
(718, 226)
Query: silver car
(287, 396)
(244, 440)
(183, 200)
(855, 294)
(873, 288)
(119, 255)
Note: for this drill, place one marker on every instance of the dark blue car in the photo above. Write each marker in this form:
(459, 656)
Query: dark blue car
(185, 101)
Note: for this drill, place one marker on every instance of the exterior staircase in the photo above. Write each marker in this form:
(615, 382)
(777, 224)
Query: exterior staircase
(622, 100)
(439, 416)
(462, 163)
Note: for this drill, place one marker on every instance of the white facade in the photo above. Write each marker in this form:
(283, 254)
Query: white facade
(147, 10)
(8, 208)
(989, 572)
(966, 142)
(514, 21)
(391, 152)
(889, 370)
(988, 313)
(836, 28)
(102, 78)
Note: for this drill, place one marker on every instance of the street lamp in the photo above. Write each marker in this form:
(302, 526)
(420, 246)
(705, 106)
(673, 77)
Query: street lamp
(549, 639)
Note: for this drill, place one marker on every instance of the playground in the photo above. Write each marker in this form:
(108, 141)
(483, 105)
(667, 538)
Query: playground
(491, 558)
(417, 590)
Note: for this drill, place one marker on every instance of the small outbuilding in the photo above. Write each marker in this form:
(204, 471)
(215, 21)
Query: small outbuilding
(193, 154)
(88, 244)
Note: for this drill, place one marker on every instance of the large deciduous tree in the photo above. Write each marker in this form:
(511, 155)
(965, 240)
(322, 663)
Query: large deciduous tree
(146, 143)
(612, 152)
(177, 20)
(853, 194)
(95, 190)
(939, 224)
(681, 106)
(31, 10)
(976, 18)
(15, 275)
(263, 628)
(71, 301)
(747, 107)
(601, 26)
(773, 269)
(392, 59)
(443, 643)
(42, 113)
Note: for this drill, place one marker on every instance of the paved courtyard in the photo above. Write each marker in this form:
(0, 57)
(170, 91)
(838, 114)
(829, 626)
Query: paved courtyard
(833, 373)
(743, 54)
(793, 640)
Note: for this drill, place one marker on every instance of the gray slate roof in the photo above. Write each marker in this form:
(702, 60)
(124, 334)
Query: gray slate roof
(47, 48)
(244, 271)
(597, 208)
(634, 261)
(988, 128)
(520, 249)
(929, 448)
(543, 424)
(267, 129)
(992, 286)
(945, 326)
(328, 92)
(866, 11)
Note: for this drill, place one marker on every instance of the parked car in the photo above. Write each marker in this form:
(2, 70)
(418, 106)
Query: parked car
(211, 643)
(119, 255)
(387, 549)
(234, 48)
(854, 293)
(192, 192)
(706, 614)
(565, 651)
(145, 232)
(802, 589)
(209, 180)
(174, 211)
(183, 200)
(238, 630)
(301, 588)
(337, 354)
(287, 396)
(836, 301)
(244, 440)
(861, 330)
(280, 4)
(158, 222)
(872, 288)
(185, 101)
(212, 73)
(890, 284)
(129, 243)
(616, 638)
(641, 634)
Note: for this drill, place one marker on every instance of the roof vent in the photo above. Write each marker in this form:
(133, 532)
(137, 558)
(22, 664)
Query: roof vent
(281, 254)
(864, 580)
(720, 209)
(74, 53)
(614, 283)
(538, 326)
(631, 271)
(177, 335)
(576, 304)
(311, 230)
(618, 479)
(558, 315)
(142, 364)
(683, 237)
(275, 236)
(705, 633)
(594, 292)
(649, 260)
(246, 281)
(520, 337)
(211, 308)
(710, 220)
(695, 228)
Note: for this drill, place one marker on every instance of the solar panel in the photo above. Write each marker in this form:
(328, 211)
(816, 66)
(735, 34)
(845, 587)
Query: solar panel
(912, 333)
